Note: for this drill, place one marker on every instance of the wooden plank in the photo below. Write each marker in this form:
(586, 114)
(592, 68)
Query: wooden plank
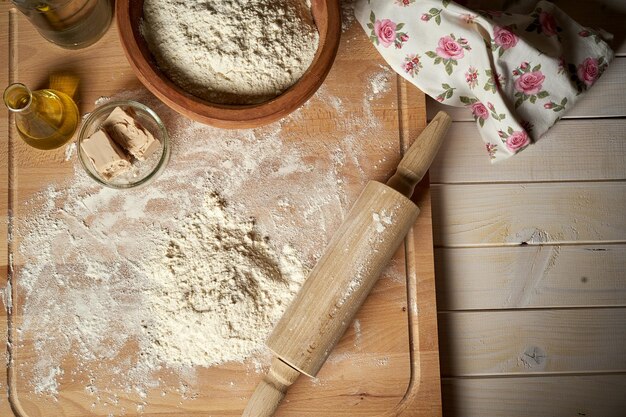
(423, 396)
(5, 406)
(532, 341)
(531, 276)
(535, 213)
(562, 396)
(574, 150)
(6, 63)
(503, 267)
(605, 99)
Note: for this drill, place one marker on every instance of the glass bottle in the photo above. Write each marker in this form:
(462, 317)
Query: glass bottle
(45, 119)
(71, 24)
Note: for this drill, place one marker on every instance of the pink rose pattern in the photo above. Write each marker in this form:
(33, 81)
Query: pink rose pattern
(543, 22)
(471, 77)
(528, 82)
(492, 148)
(449, 50)
(585, 74)
(492, 110)
(480, 111)
(386, 32)
(548, 24)
(503, 39)
(412, 64)
(494, 81)
(433, 14)
(554, 106)
(447, 93)
(589, 71)
(515, 141)
(585, 33)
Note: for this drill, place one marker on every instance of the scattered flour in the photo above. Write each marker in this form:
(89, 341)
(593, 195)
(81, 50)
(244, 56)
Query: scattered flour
(6, 297)
(384, 361)
(70, 150)
(101, 100)
(49, 384)
(108, 280)
(231, 51)
(381, 221)
(380, 82)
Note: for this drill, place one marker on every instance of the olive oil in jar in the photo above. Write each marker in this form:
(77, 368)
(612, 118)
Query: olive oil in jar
(45, 119)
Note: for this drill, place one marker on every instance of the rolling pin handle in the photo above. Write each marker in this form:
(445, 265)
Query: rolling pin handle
(420, 155)
(271, 390)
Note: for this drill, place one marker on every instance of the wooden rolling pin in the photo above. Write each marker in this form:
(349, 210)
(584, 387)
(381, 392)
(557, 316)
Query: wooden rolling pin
(343, 277)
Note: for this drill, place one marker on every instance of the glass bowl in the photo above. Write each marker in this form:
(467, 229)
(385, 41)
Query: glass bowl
(141, 172)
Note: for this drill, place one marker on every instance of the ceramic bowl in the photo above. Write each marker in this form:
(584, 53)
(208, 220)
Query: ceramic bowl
(327, 17)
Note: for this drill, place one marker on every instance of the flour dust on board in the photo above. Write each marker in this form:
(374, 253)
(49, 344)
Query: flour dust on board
(136, 291)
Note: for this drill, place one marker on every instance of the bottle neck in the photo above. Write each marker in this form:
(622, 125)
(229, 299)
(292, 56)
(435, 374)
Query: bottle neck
(18, 98)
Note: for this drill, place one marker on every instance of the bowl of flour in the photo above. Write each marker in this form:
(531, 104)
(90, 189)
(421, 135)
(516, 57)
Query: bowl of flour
(231, 63)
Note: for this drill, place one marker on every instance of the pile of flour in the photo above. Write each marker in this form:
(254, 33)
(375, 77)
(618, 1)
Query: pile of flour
(217, 289)
(231, 51)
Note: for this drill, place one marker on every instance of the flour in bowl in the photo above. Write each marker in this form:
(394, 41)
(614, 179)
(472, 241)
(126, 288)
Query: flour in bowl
(231, 51)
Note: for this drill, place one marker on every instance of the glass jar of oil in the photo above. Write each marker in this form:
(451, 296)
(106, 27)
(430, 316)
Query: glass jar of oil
(71, 24)
(45, 119)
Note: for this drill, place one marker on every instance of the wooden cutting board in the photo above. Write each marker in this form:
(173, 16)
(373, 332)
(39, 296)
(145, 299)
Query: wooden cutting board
(394, 367)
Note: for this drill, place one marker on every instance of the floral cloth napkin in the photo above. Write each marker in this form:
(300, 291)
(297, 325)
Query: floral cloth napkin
(518, 73)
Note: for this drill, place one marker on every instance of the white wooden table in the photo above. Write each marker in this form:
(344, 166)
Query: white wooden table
(531, 258)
